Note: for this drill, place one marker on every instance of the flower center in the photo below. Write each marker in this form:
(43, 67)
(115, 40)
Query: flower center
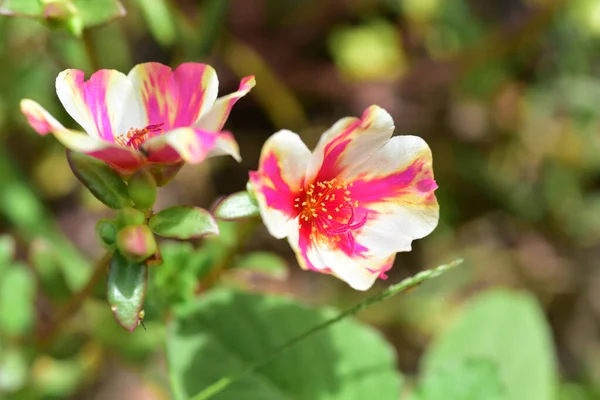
(136, 137)
(326, 208)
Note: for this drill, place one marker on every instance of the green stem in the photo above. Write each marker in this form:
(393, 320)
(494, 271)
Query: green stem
(90, 50)
(77, 300)
(393, 290)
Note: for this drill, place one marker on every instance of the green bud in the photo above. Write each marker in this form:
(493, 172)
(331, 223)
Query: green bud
(136, 242)
(142, 189)
(130, 216)
(106, 230)
(62, 14)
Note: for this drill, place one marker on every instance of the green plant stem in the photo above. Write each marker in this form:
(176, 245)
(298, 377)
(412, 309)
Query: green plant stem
(393, 290)
(90, 50)
(78, 298)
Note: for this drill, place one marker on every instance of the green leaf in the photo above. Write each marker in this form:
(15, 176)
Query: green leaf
(104, 183)
(7, 251)
(183, 222)
(507, 329)
(13, 369)
(126, 289)
(466, 380)
(160, 20)
(98, 12)
(224, 331)
(176, 280)
(92, 12)
(236, 206)
(46, 263)
(17, 297)
(22, 8)
(263, 262)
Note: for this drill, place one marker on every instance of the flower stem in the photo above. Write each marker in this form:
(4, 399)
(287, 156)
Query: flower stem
(77, 300)
(90, 50)
(399, 287)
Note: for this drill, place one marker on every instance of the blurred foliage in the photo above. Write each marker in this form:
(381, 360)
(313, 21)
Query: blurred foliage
(506, 93)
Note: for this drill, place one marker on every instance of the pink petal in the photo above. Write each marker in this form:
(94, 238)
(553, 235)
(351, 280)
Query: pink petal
(105, 105)
(174, 98)
(360, 272)
(396, 190)
(119, 157)
(280, 176)
(215, 119)
(187, 144)
(349, 143)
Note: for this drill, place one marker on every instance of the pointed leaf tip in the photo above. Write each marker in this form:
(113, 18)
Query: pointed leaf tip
(126, 289)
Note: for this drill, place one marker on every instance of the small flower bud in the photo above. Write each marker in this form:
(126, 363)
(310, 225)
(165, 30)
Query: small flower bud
(106, 230)
(63, 14)
(130, 216)
(142, 189)
(136, 242)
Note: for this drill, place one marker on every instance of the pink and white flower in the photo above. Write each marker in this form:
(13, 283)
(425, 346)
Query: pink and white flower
(351, 205)
(152, 116)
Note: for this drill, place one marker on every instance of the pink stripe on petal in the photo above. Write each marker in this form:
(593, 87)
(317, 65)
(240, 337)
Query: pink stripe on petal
(278, 181)
(96, 104)
(188, 144)
(38, 118)
(43, 122)
(95, 97)
(122, 159)
(175, 98)
(217, 116)
(277, 193)
(349, 143)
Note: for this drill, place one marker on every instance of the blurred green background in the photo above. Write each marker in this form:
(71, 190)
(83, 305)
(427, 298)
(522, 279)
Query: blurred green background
(507, 94)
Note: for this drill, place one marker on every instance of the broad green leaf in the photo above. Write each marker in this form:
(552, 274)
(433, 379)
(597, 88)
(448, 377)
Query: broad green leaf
(22, 8)
(20, 205)
(507, 329)
(224, 331)
(17, 297)
(97, 12)
(13, 369)
(236, 206)
(176, 280)
(44, 259)
(466, 380)
(92, 12)
(263, 262)
(126, 288)
(183, 222)
(7, 251)
(104, 183)
(160, 20)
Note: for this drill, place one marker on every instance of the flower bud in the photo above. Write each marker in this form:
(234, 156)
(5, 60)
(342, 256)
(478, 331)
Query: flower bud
(63, 14)
(142, 189)
(106, 230)
(136, 242)
(130, 216)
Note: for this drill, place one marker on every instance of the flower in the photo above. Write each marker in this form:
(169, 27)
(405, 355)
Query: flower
(351, 205)
(152, 116)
